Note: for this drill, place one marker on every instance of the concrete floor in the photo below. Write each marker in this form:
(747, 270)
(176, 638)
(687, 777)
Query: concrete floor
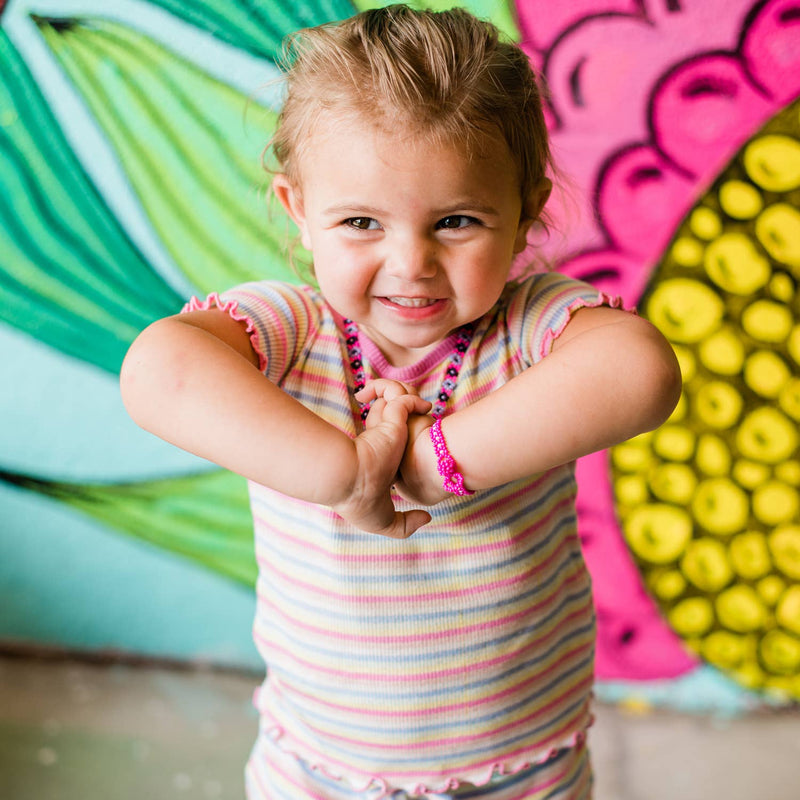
(79, 731)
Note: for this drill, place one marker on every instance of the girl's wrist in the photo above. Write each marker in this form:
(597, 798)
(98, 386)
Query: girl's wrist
(420, 477)
(452, 479)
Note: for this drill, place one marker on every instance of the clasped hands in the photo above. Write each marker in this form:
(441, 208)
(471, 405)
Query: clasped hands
(392, 454)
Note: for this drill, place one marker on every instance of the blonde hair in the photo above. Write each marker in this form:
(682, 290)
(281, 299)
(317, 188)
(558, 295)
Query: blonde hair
(445, 75)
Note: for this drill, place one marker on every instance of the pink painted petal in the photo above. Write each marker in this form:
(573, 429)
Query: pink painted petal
(704, 111)
(611, 272)
(771, 49)
(541, 22)
(633, 641)
(641, 199)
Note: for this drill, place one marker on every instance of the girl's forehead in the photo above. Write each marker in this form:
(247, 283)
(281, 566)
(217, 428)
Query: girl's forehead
(386, 136)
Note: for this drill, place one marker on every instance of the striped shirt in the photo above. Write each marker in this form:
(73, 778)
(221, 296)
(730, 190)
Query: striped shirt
(464, 650)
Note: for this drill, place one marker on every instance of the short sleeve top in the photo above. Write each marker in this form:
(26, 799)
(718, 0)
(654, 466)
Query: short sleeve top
(466, 649)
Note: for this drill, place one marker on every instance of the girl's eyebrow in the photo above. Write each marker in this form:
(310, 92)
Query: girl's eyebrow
(469, 205)
(459, 207)
(351, 208)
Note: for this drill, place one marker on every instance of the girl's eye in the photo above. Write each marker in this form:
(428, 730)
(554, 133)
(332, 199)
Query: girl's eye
(362, 223)
(455, 222)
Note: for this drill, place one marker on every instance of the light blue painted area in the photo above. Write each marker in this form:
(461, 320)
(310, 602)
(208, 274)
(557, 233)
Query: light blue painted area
(66, 581)
(69, 422)
(705, 690)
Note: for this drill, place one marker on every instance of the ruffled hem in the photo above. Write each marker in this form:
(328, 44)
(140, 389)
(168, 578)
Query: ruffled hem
(231, 307)
(603, 299)
(477, 776)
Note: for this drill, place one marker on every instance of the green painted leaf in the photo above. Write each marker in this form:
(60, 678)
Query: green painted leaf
(257, 26)
(190, 145)
(69, 275)
(500, 12)
(203, 517)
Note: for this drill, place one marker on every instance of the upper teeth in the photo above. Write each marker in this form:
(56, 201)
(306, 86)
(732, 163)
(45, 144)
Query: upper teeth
(413, 302)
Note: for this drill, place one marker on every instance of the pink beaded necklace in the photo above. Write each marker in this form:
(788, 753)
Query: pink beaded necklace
(354, 355)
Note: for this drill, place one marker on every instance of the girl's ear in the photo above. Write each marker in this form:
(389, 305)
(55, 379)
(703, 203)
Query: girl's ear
(290, 198)
(531, 209)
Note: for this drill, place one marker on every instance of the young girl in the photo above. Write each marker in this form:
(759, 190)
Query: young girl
(456, 662)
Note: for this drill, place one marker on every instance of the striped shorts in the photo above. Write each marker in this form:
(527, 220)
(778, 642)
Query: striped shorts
(275, 775)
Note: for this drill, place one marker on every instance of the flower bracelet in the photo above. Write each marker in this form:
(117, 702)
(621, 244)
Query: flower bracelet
(453, 479)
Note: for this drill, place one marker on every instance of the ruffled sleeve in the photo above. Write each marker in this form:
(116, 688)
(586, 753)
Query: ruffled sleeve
(278, 317)
(541, 307)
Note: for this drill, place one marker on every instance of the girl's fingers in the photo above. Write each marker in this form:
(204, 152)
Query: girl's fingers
(386, 388)
(395, 411)
(405, 524)
(401, 408)
(375, 416)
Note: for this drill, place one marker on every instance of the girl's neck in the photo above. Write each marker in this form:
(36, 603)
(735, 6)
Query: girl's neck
(411, 364)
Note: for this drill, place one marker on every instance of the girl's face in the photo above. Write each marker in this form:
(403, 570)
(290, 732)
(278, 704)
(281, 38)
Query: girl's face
(411, 240)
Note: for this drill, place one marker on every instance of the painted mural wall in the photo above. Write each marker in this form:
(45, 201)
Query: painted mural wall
(130, 141)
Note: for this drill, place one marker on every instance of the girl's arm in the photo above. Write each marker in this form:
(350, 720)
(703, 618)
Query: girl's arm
(193, 380)
(611, 375)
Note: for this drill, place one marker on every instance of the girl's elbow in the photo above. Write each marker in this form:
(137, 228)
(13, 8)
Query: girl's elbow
(139, 377)
(665, 384)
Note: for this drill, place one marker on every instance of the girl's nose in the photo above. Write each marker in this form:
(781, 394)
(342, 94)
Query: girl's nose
(412, 259)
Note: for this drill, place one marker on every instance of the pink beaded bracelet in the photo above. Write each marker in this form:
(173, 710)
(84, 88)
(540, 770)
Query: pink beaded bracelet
(453, 479)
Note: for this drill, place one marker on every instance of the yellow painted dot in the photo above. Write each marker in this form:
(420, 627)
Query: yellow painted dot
(658, 532)
(750, 675)
(674, 442)
(631, 490)
(771, 588)
(720, 506)
(766, 373)
(782, 287)
(735, 264)
(789, 398)
(750, 474)
(724, 649)
(766, 435)
(673, 483)
(631, 457)
(705, 564)
(718, 404)
(775, 503)
(784, 544)
(723, 352)
(767, 321)
(740, 609)
(692, 616)
(788, 472)
(773, 162)
(780, 652)
(670, 585)
(713, 456)
(788, 611)
(687, 252)
(740, 200)
(778, 230)
(685, 310)
(749, 555)
(705, 223)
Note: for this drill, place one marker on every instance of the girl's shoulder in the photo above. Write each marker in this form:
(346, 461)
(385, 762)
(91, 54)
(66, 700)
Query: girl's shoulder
(288, 305)
(537, 308)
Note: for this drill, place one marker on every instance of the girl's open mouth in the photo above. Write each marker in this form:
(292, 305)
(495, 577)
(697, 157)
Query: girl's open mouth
(413, 308)
(412, 302)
